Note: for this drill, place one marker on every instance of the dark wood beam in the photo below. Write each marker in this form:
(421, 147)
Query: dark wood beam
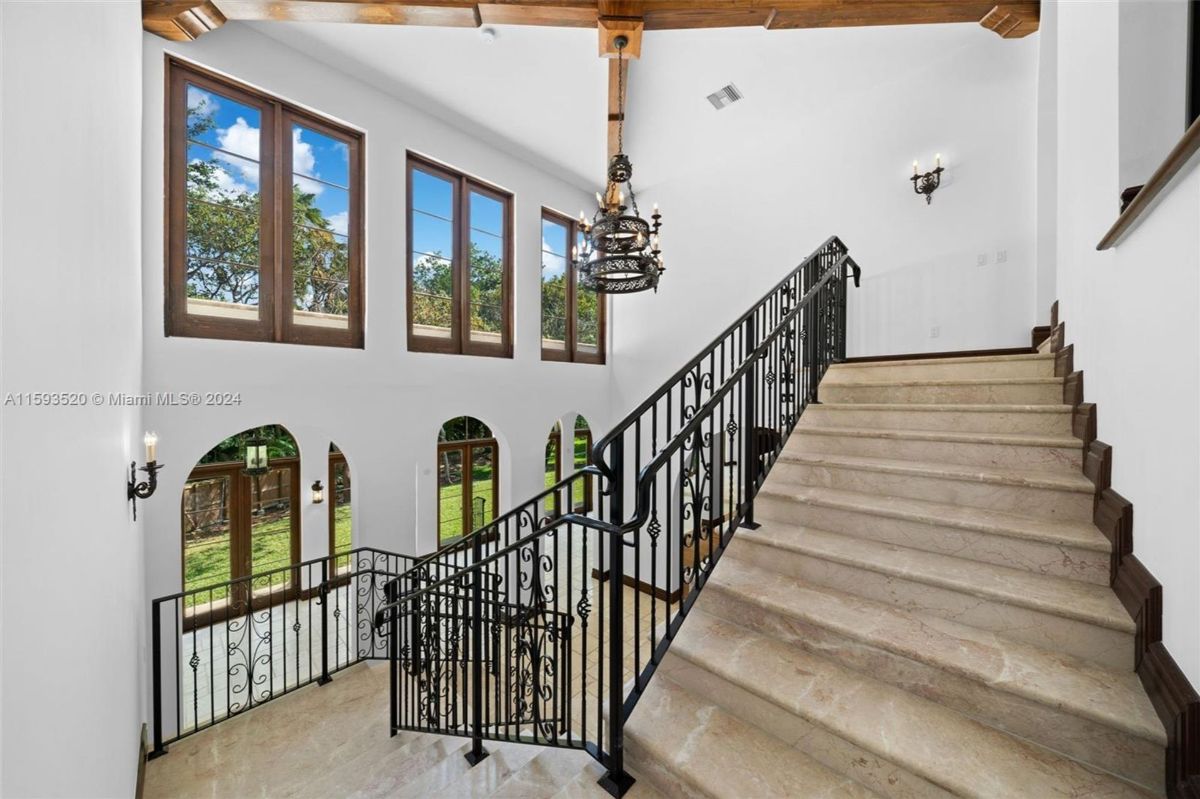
(186, 19)
(614, 106)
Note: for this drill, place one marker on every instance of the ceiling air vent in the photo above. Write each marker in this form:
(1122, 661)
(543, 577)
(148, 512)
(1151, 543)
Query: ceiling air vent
(724, 96)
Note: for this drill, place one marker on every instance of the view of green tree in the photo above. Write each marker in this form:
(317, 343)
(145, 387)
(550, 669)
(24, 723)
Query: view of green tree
(280, 444)
(223, 232)
(433, 290)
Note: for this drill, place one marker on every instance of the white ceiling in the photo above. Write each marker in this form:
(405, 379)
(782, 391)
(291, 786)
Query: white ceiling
(540, 93)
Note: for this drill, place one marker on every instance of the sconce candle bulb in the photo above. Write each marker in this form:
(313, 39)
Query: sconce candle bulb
(151, 442)
(318, 493)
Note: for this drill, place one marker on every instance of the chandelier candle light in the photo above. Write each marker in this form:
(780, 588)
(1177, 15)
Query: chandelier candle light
(620, 253)
(927, 183)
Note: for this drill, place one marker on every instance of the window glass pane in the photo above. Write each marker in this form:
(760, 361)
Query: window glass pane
(271, 527)
(587, 322)
(433, 248)
(341, 498)
(223, 206)
(487, 268)
(450, 495)
(320, 227)
(207, 527)
(222, 246)
(483, 486)
(554, 285)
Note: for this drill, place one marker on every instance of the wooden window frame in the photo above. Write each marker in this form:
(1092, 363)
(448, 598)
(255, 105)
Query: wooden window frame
(467, 446)
(462, 186)
(240, 539)
(276, 285)
(570, 353)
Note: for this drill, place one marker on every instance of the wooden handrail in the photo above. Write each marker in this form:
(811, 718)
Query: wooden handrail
(1176, 160)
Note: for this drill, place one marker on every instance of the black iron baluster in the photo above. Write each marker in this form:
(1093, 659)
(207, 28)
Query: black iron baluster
(749, 435)
(616, 780)
(477, 753)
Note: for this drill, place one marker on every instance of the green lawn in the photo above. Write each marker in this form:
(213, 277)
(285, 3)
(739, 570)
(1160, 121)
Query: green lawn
(207, 562)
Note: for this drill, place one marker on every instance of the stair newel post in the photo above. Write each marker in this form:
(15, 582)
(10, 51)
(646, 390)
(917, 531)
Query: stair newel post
(616, 780)
(156, 677)
(323, 592)
(391, 592)
(841, 312)
(477, 752)
(749, 422)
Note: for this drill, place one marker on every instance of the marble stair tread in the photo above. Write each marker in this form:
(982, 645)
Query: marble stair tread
(949, 750)
(1105, 695)
(1060, 481)
(675, 735)
(544, 775)
(951, 360)
(1083, 535)
(1059, 596)
(943, 407)
(957, 381)
(1010, 439)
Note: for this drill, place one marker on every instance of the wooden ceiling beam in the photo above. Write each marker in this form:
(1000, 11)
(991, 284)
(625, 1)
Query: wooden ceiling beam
(612, 27)
(181, 20)
(614, 105)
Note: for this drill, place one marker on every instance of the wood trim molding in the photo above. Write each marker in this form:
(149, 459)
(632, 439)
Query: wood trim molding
(1172, 167)
(658, 592)
(1174, 698)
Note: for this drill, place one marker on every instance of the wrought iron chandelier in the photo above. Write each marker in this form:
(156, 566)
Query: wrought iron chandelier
(620, 253)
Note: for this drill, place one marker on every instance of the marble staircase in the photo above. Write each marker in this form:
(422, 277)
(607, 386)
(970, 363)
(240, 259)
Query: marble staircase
(924, 611)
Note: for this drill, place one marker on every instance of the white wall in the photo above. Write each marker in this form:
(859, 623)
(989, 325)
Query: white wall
(1132, 314)
(823, 144)
(1152, 85)
(383, 405)
(71, 569)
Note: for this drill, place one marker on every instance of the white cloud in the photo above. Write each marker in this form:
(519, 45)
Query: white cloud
(340, 222)
(197, 98)
(303, 159)
(242, 139)
(227, 186)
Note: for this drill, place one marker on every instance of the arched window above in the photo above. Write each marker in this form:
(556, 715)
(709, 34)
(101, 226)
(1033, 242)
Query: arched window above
(468, 481)
(238, 525)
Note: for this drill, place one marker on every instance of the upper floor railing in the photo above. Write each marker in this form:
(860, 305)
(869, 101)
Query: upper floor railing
(546, 625)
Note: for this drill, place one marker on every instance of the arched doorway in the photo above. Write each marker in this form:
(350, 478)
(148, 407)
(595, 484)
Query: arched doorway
(581, 453)
(236, 525)
(468, 482)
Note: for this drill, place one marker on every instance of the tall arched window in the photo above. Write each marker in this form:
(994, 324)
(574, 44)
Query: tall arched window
(468, 477)
(340, 537)
(237, 525)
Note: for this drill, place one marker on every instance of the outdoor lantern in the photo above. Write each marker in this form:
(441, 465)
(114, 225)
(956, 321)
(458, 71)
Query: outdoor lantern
(318, 493)
(257, 461)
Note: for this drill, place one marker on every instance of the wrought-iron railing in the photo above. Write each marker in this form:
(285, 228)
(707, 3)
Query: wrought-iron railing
(231, 646)
(545, 626)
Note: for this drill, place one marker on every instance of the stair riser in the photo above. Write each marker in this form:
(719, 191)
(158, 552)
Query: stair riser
(979, 393)
(827, 748)
(1052, 560)
(963, 453)
(1089, 741)
(960, 370)
(652, 769)
(1045, 503)
(1056, 633)
(1050, 424)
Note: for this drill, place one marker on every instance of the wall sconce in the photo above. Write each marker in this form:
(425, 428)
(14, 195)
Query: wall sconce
(145, 489)
(318, 493)
(928, 182)
(257, 459)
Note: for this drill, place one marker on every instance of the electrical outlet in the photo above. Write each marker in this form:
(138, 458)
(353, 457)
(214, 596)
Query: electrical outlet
(981, 260)
(934, 332)
(1001, 256)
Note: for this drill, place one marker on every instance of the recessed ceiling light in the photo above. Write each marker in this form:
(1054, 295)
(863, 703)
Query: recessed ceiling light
(726, 95)
(487, 34)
